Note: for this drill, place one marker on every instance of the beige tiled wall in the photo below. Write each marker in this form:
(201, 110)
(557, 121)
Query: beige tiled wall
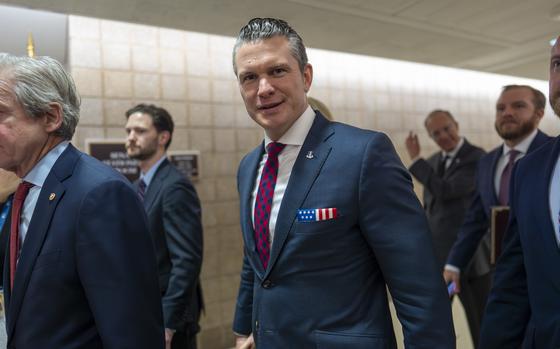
(117, 65)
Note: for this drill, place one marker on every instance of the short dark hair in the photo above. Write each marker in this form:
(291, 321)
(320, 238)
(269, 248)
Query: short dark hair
(439, 111)
(539, 99)
(259, 29)
(161, 118)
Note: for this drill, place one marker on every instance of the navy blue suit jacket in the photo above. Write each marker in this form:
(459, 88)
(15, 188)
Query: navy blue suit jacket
(325, 285)
(477, 220)
(86, 276)
(524, 305)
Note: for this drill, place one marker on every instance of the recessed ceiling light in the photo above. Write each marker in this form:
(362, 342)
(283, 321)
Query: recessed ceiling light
(552, 42)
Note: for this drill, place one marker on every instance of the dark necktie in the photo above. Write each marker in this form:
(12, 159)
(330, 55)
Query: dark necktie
(442, 165)
(263, 202)
(503, 195)
(141, 189)
(17, 204)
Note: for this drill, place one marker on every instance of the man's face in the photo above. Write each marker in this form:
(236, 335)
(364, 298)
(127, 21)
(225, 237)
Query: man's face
(272, 85)
(516, 116)
(143, 139)
(554, 81)
(22, 138)
(444, 131)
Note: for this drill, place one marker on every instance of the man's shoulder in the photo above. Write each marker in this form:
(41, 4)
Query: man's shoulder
(169, 173)
(542, 156)
(90, 172)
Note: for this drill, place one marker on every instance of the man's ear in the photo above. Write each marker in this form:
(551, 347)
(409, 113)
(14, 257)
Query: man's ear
(53, 118)
(163, 137)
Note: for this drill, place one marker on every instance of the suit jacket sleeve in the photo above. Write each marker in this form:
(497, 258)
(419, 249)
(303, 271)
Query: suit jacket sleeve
(508, 310)
(394, 224)
(471, 233)
(242, 322)
(442, 188)
(117, 268)
(183, 233)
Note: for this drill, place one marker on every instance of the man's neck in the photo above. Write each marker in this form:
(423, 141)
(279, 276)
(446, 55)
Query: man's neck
(511, 143)
(146, 165)
(50, 143)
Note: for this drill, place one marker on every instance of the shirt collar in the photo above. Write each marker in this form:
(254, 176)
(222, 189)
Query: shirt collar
(41, 170)
(148, 176)
(297, 133)
(455, 150)
(522, 147)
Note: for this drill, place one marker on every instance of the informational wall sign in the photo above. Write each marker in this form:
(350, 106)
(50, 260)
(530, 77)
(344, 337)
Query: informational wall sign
(187, 161)
(113, 153)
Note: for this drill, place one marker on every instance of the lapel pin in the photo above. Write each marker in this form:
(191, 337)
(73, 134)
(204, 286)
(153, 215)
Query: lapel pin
(52, 196)
(310, 155)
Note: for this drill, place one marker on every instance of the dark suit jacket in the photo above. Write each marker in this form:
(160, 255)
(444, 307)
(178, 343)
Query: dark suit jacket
(86, 276)
(325, 285)
(477, 222)
(525, 300)
(447, 197)
(174, 216)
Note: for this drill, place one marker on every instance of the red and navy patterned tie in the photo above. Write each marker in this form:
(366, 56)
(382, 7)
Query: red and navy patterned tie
(17, 205)
(263, 203)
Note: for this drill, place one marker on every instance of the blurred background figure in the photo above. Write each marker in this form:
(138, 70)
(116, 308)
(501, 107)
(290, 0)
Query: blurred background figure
(523, 307)
(519, 110)
(448, 177)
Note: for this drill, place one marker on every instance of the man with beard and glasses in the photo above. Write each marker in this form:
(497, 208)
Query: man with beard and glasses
(523, 307)
(519, 110)
(174, 219)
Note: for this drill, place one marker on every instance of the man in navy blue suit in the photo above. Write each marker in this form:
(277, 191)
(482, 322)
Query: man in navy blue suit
(519, 110)
(329, 219)
(80, 269)
(523, 307)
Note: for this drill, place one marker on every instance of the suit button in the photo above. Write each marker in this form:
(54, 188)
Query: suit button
(267, 284)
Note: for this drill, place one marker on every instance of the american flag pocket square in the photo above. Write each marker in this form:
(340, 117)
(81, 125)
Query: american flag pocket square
(316, 214)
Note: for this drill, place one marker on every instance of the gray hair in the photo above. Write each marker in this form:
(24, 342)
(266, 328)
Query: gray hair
(259, 29)
(38, 81)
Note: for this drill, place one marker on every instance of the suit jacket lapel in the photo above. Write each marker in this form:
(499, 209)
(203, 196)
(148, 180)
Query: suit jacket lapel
(155, 185)
(304, 173)
(547, 227)
(490, 184)
(38, 227)
(246, 179)
(458, 158)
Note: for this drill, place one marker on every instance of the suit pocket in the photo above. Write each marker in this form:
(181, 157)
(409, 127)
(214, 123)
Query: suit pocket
(46, 259)
(317, 227)
(342, 340)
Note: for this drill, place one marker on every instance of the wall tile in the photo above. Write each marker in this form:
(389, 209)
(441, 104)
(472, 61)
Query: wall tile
(146, 86)
(116, 56)
(88, 81)
(91, 112)
(143, 35)
(198, 89)
(223, 91)
(180, 139)
(115, 32)
(200, 115)
(117, 84)
(83, 27)
(145, 59)
(85, 53)
(201, 139)
(224, 115)
(173, 87)
(171, 38)
(198, 62)
(115, 109)
(172, 61)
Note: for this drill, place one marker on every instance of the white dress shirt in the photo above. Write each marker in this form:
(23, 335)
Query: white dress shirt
(37, 177)
(554, 200)
(293, 138)
(522, 148)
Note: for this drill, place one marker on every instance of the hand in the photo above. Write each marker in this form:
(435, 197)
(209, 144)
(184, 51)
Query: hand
(8, 184)
(452, 276)
(412, 145)
(168, 337)
(243, 342)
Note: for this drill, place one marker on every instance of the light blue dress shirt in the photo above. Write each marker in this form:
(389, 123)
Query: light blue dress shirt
(37, 177)
(148, 176)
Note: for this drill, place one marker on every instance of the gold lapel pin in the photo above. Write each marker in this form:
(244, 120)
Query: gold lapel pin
(52, 196)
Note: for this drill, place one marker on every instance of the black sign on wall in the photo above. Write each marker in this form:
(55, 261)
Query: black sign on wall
(187, 161)
(113, 153)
